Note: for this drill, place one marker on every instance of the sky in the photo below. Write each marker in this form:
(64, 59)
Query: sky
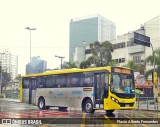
(51, 19)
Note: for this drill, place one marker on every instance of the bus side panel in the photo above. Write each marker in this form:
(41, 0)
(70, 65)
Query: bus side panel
(76, 96)
(65, 97)
(40, 92)
(25, 95)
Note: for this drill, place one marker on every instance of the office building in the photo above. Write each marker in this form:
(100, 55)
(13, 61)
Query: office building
(86, 30)
(36, 66)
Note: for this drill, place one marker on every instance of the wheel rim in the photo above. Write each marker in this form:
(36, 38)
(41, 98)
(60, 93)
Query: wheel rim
(41, 104)
(88, 106)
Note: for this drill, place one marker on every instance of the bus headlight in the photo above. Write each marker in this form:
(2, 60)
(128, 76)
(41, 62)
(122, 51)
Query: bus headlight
(115, 100)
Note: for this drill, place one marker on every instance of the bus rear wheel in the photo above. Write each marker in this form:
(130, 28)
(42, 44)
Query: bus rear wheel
(41, 103)
(88, 106)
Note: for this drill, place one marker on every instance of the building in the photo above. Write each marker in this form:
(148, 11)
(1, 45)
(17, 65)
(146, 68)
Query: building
(131, 51)
(86, 30)
(9, 63)
(36, 66)
(125, 49)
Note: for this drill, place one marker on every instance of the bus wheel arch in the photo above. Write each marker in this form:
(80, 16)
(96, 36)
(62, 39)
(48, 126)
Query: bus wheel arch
(87, 105)
(41, 102)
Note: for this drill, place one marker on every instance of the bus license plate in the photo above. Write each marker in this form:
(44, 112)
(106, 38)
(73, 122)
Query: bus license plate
(126, 105)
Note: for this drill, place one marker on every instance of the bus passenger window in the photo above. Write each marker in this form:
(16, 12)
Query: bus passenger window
(25, 83)
(39, 82)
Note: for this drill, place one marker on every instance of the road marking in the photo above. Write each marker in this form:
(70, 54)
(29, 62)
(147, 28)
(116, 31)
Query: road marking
(83, 120)
(108, 121)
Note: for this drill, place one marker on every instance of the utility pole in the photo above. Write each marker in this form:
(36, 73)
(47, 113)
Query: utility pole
(61, 58)
(30, 39)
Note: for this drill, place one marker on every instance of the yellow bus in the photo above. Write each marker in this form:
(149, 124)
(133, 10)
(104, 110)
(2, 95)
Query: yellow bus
(108, 88)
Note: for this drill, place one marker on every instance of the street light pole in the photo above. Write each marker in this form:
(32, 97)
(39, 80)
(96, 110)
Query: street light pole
(30, 39)
(60, 57)
(1, 75)
(154, 88)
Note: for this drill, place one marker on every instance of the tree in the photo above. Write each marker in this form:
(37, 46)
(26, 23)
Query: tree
(6, 78)
(68, 65)
(150, 60)
(113, 63)
(84, 64)
(18, 78)
(138, 67)
(102, 52)
(90, 62)
(101, 55)
(131, 64)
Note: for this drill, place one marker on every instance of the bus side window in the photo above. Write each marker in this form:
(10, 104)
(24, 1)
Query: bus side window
(50, 82)
(25, 83)
(39, 82)
(61, 81)
(68, 82)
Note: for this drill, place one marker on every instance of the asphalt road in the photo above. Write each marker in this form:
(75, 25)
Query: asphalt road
(21, 114)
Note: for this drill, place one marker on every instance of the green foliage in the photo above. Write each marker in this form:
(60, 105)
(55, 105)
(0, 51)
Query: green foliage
(113, 63)
(137, 67)
(150, 60)
(68, 65)
(102, 52)
(101, 55)
(6, 78)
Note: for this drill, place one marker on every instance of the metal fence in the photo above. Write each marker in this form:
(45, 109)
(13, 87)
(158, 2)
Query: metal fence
(12, 94)
(147, 103)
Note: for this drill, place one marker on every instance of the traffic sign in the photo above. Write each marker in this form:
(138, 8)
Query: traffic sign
(141, 39)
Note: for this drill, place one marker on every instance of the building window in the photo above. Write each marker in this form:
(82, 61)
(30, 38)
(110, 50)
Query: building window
(119, 45)
(120, 60)
(137, 59)
(88, 51)
(123, 60)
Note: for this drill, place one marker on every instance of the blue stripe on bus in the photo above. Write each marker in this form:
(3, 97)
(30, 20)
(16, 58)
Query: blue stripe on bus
(76, 92)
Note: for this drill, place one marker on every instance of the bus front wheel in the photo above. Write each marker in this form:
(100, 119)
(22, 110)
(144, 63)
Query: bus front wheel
(88, 106)
(41, 103)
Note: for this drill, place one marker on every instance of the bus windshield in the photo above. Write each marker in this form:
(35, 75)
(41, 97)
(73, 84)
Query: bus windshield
(123, 83)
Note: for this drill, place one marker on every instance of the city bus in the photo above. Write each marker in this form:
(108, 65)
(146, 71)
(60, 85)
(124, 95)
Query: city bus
(101, 88)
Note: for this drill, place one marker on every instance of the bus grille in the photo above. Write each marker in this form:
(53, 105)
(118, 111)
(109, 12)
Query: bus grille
(126, 104)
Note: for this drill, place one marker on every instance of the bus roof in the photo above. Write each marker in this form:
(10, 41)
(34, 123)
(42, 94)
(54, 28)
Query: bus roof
(72, 70)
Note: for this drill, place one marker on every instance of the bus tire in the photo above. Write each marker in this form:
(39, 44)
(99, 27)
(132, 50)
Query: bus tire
(41, 103)
(109, 112)
(47, 107)
(88, 106)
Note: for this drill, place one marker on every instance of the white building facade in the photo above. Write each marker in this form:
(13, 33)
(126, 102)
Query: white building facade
(9, 63)
(125, 49)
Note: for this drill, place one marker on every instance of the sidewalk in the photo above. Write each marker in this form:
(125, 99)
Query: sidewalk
(9, 99)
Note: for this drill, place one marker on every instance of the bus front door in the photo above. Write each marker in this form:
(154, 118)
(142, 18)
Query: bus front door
(32, 91)
(99, 90)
